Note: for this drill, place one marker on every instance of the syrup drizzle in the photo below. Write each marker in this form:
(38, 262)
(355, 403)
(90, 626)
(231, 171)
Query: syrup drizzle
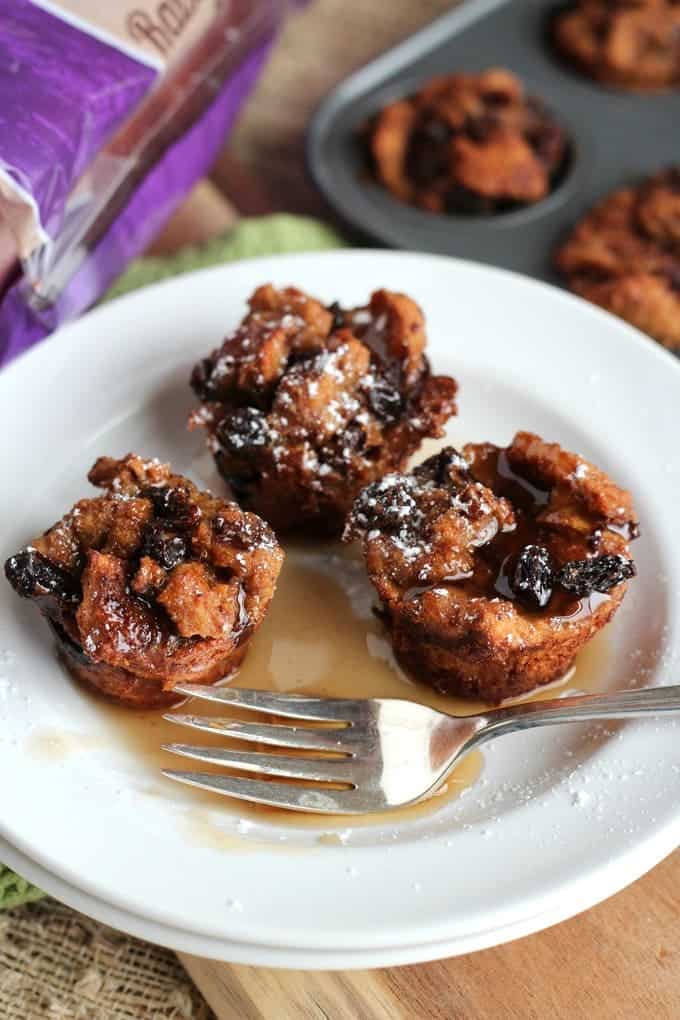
(495, 561)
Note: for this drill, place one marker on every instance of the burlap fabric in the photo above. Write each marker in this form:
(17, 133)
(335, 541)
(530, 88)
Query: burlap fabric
(56, 964)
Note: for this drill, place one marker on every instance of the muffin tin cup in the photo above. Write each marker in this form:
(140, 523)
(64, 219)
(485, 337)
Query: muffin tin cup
(615, 137)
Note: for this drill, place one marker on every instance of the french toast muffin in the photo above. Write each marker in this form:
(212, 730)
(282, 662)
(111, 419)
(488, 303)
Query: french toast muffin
(151, 584)
(624, 255)
(467, 143)
(305, 405)
(631, 44)
(494, 566)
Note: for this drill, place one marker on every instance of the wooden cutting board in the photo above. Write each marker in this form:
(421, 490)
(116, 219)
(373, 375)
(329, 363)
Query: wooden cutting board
(619, 960)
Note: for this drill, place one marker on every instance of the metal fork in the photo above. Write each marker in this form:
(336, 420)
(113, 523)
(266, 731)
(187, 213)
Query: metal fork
(378, 753)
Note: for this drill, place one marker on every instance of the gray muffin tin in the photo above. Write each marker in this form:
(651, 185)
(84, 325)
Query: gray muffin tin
(616, 137)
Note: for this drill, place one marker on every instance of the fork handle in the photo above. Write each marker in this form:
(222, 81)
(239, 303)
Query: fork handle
(621, 705)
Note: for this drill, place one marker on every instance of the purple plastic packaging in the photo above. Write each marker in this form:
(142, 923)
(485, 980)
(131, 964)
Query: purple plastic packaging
(99, 144)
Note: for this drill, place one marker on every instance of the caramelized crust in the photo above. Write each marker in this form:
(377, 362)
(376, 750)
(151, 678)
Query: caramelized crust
(494, 566)
(467, 143)
(150, 584)
(631, 44)
(625, 256)
(573, 482)
(305, 405)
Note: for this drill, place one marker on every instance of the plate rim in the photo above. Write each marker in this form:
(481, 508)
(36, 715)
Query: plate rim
(263, 954)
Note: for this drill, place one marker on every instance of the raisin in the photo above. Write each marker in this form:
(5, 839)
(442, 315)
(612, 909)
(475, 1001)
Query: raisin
(480, 128)
(234, 532)
(338, 316)
(437, 131)
(174, 504)
(496, 98)
(343, 446)
(601, 28)
(425, 164)
(448, 467)
(32, 575)
(583, 577)
(352, 441)
(427, 157)
(162, 546)
(594, 274)
(387, 505)
(533, 576)
(547, 141)
(243, 431)
(672, 276)
(385, 400)
(200, 380)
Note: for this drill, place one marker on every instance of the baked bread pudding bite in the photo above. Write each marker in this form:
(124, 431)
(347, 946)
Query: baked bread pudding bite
(625, 255)
(632, 44)
(151, 584)
(495, 566)
(467, 143)
(305, 405)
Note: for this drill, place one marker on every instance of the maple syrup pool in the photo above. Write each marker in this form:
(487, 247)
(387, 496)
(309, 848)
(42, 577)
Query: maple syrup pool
(320, 637)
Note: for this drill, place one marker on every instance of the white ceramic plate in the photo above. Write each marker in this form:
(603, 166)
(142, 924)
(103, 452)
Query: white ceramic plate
(559, 820)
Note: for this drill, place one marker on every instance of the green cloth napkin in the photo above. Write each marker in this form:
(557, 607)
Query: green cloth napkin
(265, 235)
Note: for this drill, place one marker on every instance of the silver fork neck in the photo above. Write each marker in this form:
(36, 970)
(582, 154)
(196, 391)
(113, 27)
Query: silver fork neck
(619, 705)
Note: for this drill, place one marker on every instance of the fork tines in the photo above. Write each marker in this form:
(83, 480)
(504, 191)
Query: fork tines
(298, 706)
(338, 741)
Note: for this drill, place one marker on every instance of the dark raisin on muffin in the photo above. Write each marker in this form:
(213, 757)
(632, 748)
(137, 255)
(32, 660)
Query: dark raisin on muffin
(494, 566)
(467, 143)
(631, 44)
(305, 405)
(151, 584)
(625, 256)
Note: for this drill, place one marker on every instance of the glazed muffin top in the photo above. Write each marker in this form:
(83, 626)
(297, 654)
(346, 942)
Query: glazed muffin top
(467, 143)
(140, 575)
(496, 536)
(628, 43)
(312, 398)
(633, 229)
(625, 255)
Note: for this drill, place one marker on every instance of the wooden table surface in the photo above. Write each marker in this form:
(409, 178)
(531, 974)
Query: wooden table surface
(618, 960)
